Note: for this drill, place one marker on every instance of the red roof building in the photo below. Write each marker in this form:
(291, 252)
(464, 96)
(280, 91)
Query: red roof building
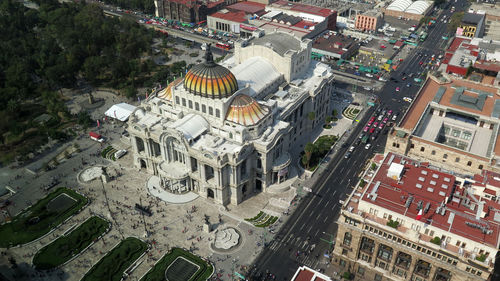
(305, 273)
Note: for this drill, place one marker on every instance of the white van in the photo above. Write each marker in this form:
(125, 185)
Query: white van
(120, 153)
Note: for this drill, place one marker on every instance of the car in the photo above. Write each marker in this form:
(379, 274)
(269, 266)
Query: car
(418, 80)
(389, 112)
(375, 124)
(381, 126)
(347, 155)
(351, 149)
(394, 117)
(407, 99)
(404, 78)
(372, 119)
(367, 88)
(372, 130)
(361, 136)
(357, 141)
(411, 75)
(408, 85)
(385, 120)
(397, 89)
(380, 117)
(382, 79)
(368, 75)
(365, 129)
(374, 136)
(368, 145)
(357, 73)
(421, 62)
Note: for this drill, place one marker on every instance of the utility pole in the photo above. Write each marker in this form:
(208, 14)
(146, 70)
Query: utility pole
(143, 218)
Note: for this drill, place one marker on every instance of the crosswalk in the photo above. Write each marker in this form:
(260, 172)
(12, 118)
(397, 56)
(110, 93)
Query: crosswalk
(294, 244)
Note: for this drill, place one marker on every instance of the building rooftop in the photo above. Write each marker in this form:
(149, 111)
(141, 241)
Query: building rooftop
(469, 101)
(236, 16)
(472, 18)
(451, 203)
(333, 43)
(248, 7)
(305, 273)
(280, 42)
(309, 9)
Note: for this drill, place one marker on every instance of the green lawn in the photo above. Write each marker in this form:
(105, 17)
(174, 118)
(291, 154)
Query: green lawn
(112, 266)
(39, 219)
(157, 273)
(65, 247)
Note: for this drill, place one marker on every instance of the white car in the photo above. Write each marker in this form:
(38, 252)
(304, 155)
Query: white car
(407, 99)
(367, 146)
(368, 75)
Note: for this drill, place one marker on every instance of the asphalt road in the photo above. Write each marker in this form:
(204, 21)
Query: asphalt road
(314, 221)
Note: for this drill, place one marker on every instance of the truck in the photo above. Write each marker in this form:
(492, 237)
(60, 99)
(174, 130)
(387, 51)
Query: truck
(365, 139)
(97, 137)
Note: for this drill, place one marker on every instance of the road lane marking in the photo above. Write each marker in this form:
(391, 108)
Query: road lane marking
(327, 203)
(310, 229)
(315, 234)
(325, 219)
(302, 227)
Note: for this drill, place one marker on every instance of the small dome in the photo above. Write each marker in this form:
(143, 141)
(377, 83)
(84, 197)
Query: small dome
(166, 93)
(245, 110)
(211, 80)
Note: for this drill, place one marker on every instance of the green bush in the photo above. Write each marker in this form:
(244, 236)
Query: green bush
(256, 217)
(22, 230)
(347, 275)
(481, 258)
(393, 224)
(112, 265)
(436, 240)
(65, 247)
(362, 183)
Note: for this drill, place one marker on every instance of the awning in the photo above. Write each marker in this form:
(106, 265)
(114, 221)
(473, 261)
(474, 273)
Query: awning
(120, 111)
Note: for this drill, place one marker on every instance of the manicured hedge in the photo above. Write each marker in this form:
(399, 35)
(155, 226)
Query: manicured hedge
(65, 247)
(112, 266)
(37, 220)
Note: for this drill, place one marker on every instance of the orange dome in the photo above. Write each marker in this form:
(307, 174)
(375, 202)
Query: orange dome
(166, 93)
(245, 110)
(211, 80)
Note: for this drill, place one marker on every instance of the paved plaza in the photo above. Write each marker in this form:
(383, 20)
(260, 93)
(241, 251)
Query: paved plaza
(176, 221)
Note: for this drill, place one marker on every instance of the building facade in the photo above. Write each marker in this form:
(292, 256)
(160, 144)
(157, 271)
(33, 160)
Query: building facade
(368, 22)
(223, 131)
(452, 123)
(399, 226)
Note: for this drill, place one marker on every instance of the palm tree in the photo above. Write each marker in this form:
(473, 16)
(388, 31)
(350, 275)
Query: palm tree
(309, 150)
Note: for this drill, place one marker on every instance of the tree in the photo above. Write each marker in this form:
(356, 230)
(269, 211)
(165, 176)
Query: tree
(311, 115)
(309, 149)
(328, 119)
(455, 21)
(469, 70)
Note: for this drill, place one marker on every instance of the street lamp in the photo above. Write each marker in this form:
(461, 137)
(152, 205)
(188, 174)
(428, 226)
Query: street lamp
(331, 241)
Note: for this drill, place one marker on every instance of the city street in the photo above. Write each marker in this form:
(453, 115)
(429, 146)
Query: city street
(314, 223)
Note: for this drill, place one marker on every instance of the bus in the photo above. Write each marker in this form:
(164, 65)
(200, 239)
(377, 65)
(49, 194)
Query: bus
(423, 36)
(223, 46)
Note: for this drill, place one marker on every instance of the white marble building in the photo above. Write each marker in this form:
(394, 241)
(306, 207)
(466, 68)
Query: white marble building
(225, 130)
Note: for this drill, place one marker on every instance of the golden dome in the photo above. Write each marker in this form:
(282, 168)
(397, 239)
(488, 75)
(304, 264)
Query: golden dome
(245, 110)
(166, 93)
(211, 80)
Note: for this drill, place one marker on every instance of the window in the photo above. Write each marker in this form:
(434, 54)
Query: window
(422, 149)
(177, 100)
(445, 156)
(217, 112)
(433, 152)
(457, 159)
(344, 252)
(361, 271)
(347, 239)
(342, 263)
(210, 110)
(203, 108)
(197, 106)
(190, 103)
(412, 145)
(480, 167)
(469, 163)
(378, 277)
(183, 102)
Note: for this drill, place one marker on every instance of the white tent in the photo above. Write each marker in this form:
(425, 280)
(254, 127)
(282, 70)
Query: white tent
(120, 111)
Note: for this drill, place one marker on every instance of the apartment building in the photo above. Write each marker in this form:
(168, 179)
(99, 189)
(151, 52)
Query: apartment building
(413, 221)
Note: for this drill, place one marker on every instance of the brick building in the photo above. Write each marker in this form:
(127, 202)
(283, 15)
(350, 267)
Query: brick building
(369, 21)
